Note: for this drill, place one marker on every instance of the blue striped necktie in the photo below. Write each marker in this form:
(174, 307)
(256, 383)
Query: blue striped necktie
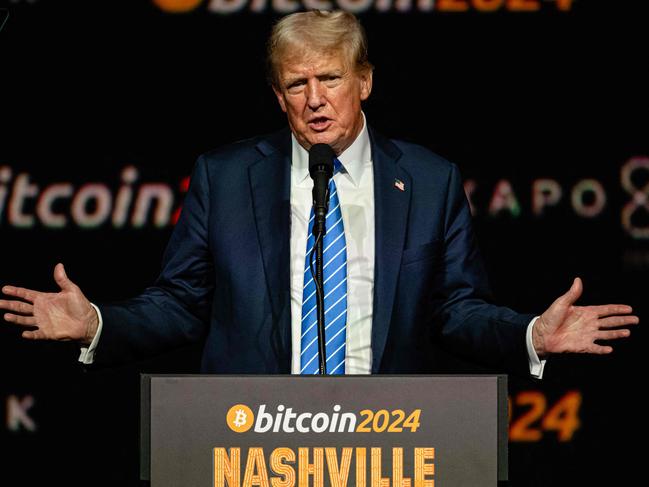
(335, 292)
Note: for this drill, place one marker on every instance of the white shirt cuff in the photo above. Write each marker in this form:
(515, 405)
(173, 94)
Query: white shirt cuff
(536, 364)
(87, 355)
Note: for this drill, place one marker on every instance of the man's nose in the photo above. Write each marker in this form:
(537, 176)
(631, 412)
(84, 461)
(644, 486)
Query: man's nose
(315, 94)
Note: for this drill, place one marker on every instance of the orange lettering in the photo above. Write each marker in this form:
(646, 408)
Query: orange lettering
(564, 5)
(422, 468)
(256, 462)
(338, 476)
(286, 472)
(488, 5)
(397, 469)
(524, 5)
(452, 6)
(316, 468)
(563, 417)
(227, 469)
(521, 429)
(377, 479)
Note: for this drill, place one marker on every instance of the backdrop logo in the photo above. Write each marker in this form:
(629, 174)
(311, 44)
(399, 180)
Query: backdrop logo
(588, 198)
(127, 201)
(638, 189)
(57, 205)
(225, 7)
(240, 418)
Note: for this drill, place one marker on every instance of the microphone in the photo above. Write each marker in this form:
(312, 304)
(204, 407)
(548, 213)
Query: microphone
(321, 169)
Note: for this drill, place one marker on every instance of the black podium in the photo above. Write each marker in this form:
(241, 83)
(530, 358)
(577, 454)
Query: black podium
(362, 431)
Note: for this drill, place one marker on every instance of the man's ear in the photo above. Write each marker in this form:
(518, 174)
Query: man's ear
(280, 98)
(366, 84)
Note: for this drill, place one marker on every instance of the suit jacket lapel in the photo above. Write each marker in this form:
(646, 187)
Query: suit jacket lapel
(270, 184)
(391, 206)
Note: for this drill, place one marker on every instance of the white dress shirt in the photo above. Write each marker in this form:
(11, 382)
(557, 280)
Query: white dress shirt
(355, 186)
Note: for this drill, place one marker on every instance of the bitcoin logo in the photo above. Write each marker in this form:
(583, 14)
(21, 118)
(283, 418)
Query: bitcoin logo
(177, 6)
(240, 418)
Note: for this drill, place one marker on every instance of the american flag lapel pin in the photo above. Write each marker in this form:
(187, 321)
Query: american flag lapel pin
(399, 185)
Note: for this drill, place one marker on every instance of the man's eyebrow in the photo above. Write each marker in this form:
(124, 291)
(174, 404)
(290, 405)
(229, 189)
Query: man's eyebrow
(293, 79)
(323, 74)
(333, 72)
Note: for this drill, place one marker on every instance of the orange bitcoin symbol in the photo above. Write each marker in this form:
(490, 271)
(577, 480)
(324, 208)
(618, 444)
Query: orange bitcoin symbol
(177, 6)
(240, 418)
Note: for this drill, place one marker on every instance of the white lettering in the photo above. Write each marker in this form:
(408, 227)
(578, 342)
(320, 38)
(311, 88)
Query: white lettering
(504, 199)
(285, 420)
(318, 5)
(588, 187)
(45, 206)
(545, 192)
(100, 195)
(226, 6)
(5, 177)
(17, 413)
(124, 196)
(286, 6)
(258, 5)
(347, 418)
(320, 422)
(300, 422)
(263, 416)
(355, 6)
(288, 416)
(149, 192)
(22, 191)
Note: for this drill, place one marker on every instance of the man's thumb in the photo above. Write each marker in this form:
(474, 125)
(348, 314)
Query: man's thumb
(574, 293)
(61, 277)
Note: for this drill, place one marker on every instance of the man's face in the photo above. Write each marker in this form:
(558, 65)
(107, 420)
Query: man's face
(321, 97)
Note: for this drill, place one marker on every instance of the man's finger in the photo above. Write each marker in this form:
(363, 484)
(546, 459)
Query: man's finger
(611, 334)
(31, 335)
(612, 309)
(16, 306)
(20, 292)
(20, 320)
(600, 349)
(614, 321)
(61, 278)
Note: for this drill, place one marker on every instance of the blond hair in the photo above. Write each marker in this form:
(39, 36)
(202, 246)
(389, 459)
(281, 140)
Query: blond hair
(317, 32)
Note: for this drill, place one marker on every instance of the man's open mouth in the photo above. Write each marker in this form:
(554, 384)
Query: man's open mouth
(319, 124)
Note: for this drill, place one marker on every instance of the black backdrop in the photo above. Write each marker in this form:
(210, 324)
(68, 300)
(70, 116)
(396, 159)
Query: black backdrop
(90, 89)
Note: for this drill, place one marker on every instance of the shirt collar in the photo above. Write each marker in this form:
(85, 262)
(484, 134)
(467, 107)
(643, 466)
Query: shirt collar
(353, 159)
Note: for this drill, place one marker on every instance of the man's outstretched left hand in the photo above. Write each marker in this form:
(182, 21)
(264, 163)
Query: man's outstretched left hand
(566, 328)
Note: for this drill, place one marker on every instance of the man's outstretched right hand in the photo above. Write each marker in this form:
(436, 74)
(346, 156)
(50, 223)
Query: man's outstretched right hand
(66, 315)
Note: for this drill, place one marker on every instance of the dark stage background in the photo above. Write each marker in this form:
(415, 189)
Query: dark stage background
(106, 105)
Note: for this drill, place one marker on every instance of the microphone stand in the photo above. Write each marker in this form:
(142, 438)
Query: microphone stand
(319, 231)
(321, 157)
(319, 283)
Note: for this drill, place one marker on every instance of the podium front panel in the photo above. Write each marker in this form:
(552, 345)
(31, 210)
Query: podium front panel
(340, 431)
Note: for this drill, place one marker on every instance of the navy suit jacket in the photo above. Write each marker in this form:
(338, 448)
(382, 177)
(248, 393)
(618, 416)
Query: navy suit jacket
(225, 274)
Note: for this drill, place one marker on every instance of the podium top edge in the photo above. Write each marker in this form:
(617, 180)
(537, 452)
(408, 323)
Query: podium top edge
(298, 376)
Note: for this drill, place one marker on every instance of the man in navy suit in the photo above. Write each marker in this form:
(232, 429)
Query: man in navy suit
(233, 272)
